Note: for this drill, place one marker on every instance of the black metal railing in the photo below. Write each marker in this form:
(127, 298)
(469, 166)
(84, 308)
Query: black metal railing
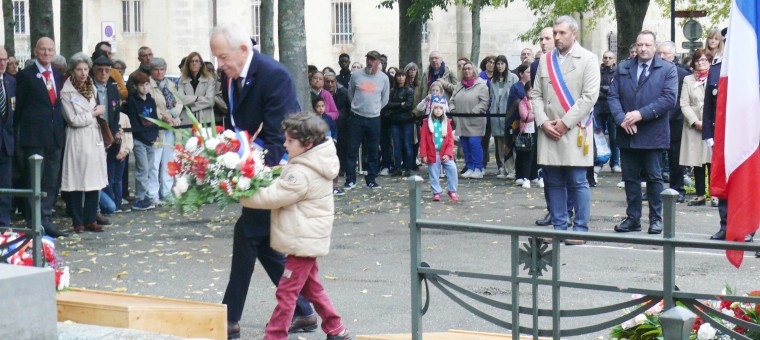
(35, 232)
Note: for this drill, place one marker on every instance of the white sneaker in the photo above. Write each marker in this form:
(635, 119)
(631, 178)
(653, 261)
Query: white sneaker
(511, 175)
(477, 173)
(621, 185)
(687, 181)
(597, 169)
(535, 181)
(383, 172)
(467, 173)
(540, 182)
(526, 184)
(519, 181)
(617, 169)
(501, 174)
(596, 178)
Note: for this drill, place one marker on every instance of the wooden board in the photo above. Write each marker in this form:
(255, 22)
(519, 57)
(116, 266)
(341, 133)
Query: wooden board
(452, 334)
(152, 314)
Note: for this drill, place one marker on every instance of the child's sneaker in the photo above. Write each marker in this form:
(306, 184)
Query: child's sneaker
(453, 196)
(374, 185)
(436, 197)
(501, 173)
(338, 192)
(345, 335)
(349, 185)
(519, 182)
(144, 204)
(526, 183)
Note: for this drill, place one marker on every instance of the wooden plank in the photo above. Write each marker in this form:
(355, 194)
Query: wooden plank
(452, 334)
(153, 314)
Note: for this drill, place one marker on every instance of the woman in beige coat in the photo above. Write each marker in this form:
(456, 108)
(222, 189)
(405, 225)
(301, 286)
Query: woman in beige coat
(83, 167)
(169, 106)
(197, 89)
(694, 151)
(471, 97)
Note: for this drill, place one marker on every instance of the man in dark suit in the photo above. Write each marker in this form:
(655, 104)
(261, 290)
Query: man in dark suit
(40, 125)
(642, 93)
(7, 102)
(259, 92)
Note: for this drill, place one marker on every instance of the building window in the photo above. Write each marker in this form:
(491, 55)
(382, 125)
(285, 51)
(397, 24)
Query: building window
(19, 17)
(256, 11)
(425, 33)
(132, 16)
(342, 30)
(612, 44)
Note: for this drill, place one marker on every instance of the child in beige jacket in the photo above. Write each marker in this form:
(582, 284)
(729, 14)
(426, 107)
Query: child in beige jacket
(301, 200)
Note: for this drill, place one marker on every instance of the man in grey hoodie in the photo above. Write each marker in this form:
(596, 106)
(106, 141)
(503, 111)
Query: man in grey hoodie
(368, 91)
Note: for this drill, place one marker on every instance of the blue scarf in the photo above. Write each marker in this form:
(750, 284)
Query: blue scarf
(432, 76)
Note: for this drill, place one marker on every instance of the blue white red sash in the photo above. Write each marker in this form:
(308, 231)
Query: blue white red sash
(565, 97)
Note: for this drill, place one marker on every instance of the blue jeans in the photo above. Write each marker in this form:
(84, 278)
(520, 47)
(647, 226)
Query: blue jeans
(160, 181)
(563, 183)
(143, 165)
(363, 131)
(638, 162)
(115, 178)
(403, 143)
(473, 152)
(106, 204)
(386, 149)
(434, 173)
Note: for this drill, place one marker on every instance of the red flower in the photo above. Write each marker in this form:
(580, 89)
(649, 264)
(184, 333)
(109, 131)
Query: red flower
(178, 147)
(219, 129)
(235, 145)
(247, 168)
(58, 274)
(221, 148)
(173, 168)
(223, 185)
(697, 324)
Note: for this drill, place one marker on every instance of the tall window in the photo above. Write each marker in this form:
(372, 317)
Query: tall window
(342, 29)
(19, 17)
(425, 33)
(256, 11)
(612, 42)
(132, 15)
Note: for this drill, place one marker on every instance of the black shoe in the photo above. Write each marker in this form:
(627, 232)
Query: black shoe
(547, 220)
(407, 173)
(757, 254)
(52, 231)
(102, 220)
(628, 225)
(233, 330)
(696, 202)
(681, 198)
(720, 235)
(303, 324)
(655, 227)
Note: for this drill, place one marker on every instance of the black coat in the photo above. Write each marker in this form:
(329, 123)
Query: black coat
(40, 124)
(6, 126)
(400, 105)
(711, 100)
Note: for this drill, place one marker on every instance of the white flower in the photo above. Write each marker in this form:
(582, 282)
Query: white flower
(706, 332)
(244, 183)
(180, 186)
(192, 144)
(211, 143)
(229, 134)
(640, 319)
(65, 278)
(230, 160)
(628, 324)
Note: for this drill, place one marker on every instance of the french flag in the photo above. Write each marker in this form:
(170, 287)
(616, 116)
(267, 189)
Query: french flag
(736, 160)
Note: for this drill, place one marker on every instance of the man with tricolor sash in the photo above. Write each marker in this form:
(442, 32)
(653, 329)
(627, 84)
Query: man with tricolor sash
(642, 93)
(563, 96)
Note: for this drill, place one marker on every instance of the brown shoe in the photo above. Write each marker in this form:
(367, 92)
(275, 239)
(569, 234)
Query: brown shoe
(102, 220)
(79, 229)
(233, 330)
(569, 242)
(303, 324)
(546, 240)
(94, 227)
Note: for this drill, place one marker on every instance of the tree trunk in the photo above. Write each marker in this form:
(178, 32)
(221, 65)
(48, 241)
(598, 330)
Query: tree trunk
(475, 50)
(40, 20)
(10, 38)
(409, 36)
(291, 35)
(71, 28)
(630, 16)
(266, 15)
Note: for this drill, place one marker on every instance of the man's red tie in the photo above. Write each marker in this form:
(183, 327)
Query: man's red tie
(50, 87)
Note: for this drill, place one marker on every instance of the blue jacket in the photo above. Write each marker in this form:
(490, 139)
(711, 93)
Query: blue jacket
(267, 97)
(654, 99)
(6, 126)
(711, 100)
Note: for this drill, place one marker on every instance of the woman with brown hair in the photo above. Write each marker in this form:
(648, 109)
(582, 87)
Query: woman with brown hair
(197, 88)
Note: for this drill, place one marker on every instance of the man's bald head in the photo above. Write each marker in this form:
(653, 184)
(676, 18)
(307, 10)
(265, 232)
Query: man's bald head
(546, 39)
(44, 51)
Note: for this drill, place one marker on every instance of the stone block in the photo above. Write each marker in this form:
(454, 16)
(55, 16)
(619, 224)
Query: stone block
(28, 303)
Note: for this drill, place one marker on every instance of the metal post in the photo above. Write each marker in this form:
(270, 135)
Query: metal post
(669, 197)
(515, 268)
(415, 250)
(36, 165)
(676, 323)
(536, 272)
(556, 305)
(673, 21)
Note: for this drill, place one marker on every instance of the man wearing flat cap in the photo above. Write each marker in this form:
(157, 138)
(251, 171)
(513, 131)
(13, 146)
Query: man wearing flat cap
(368, 91)
(108, 96)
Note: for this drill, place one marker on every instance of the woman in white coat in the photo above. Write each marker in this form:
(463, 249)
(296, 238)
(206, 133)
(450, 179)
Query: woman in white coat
(197, 89)
(83, 166)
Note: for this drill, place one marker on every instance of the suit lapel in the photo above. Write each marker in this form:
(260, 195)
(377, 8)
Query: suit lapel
(248, 80)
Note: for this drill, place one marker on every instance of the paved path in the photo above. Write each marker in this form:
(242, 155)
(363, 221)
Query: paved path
(164, 253)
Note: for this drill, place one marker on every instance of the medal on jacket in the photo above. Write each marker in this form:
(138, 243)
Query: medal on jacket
(48, 84)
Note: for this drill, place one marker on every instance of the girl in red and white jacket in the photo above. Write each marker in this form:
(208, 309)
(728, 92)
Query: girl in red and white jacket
(437, 149)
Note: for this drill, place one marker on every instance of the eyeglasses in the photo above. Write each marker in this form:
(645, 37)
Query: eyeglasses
(195, 61)
(607, 58)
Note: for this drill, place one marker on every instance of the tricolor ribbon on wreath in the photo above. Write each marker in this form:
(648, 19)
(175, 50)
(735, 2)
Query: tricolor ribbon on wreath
(565, 97)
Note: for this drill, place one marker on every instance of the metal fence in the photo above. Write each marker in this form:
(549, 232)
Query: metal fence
(35, 232)
(537, 257)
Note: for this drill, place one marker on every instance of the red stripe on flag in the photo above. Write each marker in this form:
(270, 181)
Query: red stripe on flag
(743, 205)
(718, 185)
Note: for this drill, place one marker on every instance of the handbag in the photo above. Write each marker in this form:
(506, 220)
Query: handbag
(603, 151)
(105, 131)
(524, 141)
